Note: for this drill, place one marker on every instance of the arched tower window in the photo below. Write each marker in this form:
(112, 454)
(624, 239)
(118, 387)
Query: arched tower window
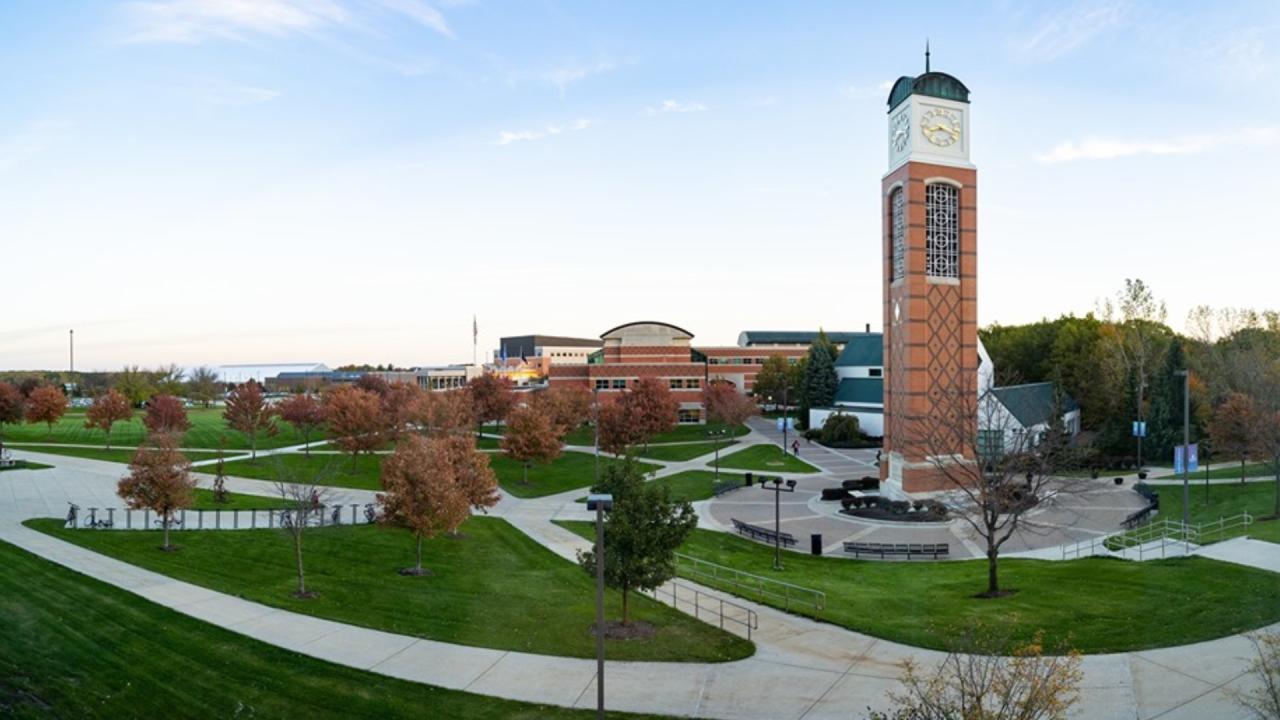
(898, 206)
(942, 231)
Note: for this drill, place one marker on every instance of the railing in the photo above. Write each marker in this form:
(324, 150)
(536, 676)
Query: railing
(758, 587)
(725, 486)
(710, 604)
(217, 518)
(1169, 533)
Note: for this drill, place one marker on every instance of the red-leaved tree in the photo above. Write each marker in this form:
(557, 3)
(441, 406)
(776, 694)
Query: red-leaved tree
(166, 415)
(108, 409)
(159, 480)
(492, 397)
(567, 406)
(304, 412)
(616, 431)
(354, 420)
(46, 404)
(1232, 428)
(727, 406)
(530, 438)
(446, 412)
(650, 408)
(249, 412)
(11, 407)
(400, 402)
(421, 492)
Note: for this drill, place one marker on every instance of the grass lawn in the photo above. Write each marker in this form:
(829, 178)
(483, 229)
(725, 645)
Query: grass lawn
(686, 451)
(1098, 604)
(585, 435)
(340, 472)
(1227, 472)
(25, 465)
(77, 647)
(1256, 498)
(203, 500)
(764, 458)
(207, 427)
(690, 485)
(494, 587)
(570, 471)
(115, 454)
(488, 443)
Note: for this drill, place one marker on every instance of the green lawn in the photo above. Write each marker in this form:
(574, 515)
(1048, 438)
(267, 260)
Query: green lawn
(764, 458)
(339, 470)
(1228, 472)
(115, 454)
(203, 500)
(570, 471)
(488, 443)
(690, 485)
(207, 427)
(685, 451)
(74, 647)
(26, 465)
(494, 587)
(1099, 605)
(1256, 498)
(585, 435)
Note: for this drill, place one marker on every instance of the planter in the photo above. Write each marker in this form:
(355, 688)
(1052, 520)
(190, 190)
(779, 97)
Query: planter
(1119, 481)
(1142, 474)
(1093, 474)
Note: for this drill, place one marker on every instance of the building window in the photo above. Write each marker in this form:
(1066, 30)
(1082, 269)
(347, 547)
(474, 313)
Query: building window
(990, 444)
(676, 383)
(602, 384)
(942, 231)
(693, 383)
(898, 202)
(619, 384)
(690, 416)
(875, 372)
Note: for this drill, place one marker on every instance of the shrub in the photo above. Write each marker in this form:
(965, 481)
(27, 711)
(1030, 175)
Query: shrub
(840, 429)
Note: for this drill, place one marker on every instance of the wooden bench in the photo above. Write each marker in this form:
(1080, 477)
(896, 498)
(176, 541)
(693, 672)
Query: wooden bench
(755, 532)
(910, 550)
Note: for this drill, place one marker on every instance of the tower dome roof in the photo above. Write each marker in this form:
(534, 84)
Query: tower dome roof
(933, 84)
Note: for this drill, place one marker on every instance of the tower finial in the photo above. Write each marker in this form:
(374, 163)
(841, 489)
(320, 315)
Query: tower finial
(926, 54)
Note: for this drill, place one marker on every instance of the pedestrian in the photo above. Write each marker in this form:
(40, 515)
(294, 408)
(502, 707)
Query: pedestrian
(795, 447)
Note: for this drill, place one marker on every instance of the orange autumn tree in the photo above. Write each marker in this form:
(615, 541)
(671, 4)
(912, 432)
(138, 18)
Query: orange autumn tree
(159, 480)
(46, 404)
(727, 406)
(166, 415)
(567, 406)
(445, 412)
(1233, 428)
(11, 407)
(617, 434)
(249, 412)
(530, 438)
(108, 409)
(422, 492)
(492, 398)
(305, 413)
(400, 402)
(354, 419)
(650, 408)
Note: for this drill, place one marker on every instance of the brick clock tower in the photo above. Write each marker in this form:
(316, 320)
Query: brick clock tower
(930, 244)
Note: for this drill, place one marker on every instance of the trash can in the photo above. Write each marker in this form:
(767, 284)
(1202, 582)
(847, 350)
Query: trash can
(747, 480)
(815, 543)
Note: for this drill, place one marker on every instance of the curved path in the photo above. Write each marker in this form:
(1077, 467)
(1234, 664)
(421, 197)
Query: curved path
(802, 669)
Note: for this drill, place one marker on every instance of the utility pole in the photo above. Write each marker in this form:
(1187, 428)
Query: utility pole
(1186, 450)
(72, 334)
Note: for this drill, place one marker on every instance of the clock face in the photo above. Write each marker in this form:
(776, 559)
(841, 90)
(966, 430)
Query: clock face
(900, 131)
(940, 126)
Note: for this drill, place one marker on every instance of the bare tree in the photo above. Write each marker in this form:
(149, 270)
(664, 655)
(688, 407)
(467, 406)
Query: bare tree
(1263, 702)
(304, 493)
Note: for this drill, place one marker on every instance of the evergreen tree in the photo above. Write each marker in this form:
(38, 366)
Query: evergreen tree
(1164, 423)
(820, 381)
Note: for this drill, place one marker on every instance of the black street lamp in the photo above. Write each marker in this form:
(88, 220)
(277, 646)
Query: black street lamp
(715, 436)
(601, 503)
(595, 422)
(777, 489)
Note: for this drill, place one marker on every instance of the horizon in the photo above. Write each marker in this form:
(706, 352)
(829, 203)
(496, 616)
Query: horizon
(205, 183)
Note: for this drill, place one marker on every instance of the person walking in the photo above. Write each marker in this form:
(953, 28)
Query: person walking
(795, 447)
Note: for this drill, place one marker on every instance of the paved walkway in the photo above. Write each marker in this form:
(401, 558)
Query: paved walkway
(802, 668)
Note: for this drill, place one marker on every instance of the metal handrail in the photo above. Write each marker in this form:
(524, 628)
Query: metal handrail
(705, 602)
(1163, 530)
(743, 583)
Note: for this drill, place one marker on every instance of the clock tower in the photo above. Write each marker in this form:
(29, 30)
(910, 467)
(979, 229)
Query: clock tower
(930, 244)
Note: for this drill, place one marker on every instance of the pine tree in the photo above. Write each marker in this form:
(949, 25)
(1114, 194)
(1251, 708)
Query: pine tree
(1164, 421)
(820, 381)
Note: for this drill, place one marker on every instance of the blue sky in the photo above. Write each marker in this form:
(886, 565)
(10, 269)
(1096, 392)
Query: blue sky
(215, 181)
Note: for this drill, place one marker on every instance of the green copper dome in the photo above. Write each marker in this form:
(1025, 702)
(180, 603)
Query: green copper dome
(933, 84)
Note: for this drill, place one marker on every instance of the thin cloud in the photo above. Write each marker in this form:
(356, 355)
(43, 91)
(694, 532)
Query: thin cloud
(564, 76)
(1100, 148)
(193, 21)
(506, 137)
(420, 12)
(220, 92)
(675, 106)
(31, 141)
(1070, 28)
(866, 92)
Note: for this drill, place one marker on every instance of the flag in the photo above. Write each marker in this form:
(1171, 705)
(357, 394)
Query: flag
(475, 329)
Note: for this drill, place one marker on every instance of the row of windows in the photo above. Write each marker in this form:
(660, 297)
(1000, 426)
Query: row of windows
(675, 383)
(744, 360)
(685, 383)
(942, 231)
(689, 416)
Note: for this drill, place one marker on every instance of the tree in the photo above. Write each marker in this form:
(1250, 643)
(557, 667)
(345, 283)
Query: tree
(399, 404)
(304, 494)
(774, 376)
(530, 438)
(12, 405)
(650, 408)
(46, 404)
(1136, 338)
(617, 433)
(372, 383)
(446, 412)
(492, 396)
(641, 534)
(168, 379)
(1263, 701)
(159, 480)
(1164, 422)
(568, 406)
(471, 472)
(135, 384)
(249, 412)
(203, 386)
(421, 492)
(304, 412)
(1233, 429)
(725, 405)
(985, 679)
(166, 415)
(354, 420)
(108, 409)
(819, 385)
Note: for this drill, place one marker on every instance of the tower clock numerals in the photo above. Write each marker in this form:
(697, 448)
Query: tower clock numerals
(900, 131)
(940, 127)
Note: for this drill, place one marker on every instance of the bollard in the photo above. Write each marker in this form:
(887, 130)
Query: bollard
(253, 519)
(353, 513)
(217, 518)
(183, 520)
(815, 543)
(146, 519)
(93, 518)
(200, 518)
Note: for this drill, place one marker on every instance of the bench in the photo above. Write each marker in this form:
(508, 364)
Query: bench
(755, 532)
(910, 550)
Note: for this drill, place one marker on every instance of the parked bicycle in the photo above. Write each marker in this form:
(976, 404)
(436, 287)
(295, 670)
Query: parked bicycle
(72, 513)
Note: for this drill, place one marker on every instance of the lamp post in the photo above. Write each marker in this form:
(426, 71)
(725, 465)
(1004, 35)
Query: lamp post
(595, 423)
(715, 436)
(786, 391)
(1186, 449)
(601, 503)
(777, 514)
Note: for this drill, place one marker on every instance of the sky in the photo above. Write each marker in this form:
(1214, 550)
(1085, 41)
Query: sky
(348, 181)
